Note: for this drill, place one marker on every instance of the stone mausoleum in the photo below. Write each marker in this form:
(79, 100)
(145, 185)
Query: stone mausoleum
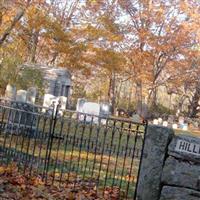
(57, 80)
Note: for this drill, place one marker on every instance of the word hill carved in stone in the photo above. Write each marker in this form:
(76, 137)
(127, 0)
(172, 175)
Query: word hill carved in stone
(185, 147)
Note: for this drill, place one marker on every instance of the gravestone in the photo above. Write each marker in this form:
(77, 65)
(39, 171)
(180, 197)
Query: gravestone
(165, 123)
(174, 126)
(63, 102)
(155, 122)
(185, 127)
(48, 99)
(21, 95)
(79, 105)
(10, 92)
(22, 117)
(181, 121)
(160, 120)
(51, 102)
(31, 95)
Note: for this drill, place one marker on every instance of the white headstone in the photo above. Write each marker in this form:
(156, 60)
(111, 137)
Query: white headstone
(160, 120)
(155, 122)
(48, 100)
(177, 112)
(171, 119)
(79, 105)
(165, 123)
(181, 120)
(21, 95)
(90, 109)
(174, 126)
(63, 102)
(10, 92)
(185, 127)
(31, 95)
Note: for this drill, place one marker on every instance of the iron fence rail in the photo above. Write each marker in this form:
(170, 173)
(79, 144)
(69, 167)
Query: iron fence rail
(72, 147)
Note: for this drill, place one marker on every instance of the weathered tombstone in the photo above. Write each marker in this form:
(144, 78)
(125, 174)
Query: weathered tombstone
(10, 92)
(21, 95)
(178, 112)
(181, 120)
(185, 127)
(195, 124)
(22, 117)
(160, 120)
(49, 101)
(155, 122)
(63, 102)
(171, 119)
(165, 123)
(174, 126)
(31, 95)
(79, 105)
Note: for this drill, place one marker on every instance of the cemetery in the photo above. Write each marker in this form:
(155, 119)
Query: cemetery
(99, 100)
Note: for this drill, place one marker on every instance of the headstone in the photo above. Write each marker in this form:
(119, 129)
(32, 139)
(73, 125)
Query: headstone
(155, 122)
(160, 120)
(185, 127)
(63, 102)
(174, 126)
(10, 92)
(91, 109)
(21, 95)
(49, 101)
(31, 95)
(171, 119)
(105, 109)
(23, 115)
(165, 123)
(181, 121)
(178, 112)
(79, 105)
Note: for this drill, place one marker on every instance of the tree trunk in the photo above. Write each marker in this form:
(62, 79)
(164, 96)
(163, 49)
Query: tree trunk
(33, 47)
(138, 94)
(152, 98)
(112, 92)
(118, 94)
(130, 97)
(193, 108)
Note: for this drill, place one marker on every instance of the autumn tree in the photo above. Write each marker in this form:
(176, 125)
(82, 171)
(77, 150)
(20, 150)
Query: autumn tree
(158, 38)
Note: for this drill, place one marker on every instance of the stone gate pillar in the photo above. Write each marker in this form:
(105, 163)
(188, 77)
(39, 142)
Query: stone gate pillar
(155, 148)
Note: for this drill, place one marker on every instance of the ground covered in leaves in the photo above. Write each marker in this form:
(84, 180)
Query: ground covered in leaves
(17, 186)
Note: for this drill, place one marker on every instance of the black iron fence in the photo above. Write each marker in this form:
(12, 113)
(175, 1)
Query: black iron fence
(65, 146)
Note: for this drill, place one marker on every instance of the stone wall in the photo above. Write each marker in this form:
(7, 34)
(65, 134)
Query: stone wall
(170, 167)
